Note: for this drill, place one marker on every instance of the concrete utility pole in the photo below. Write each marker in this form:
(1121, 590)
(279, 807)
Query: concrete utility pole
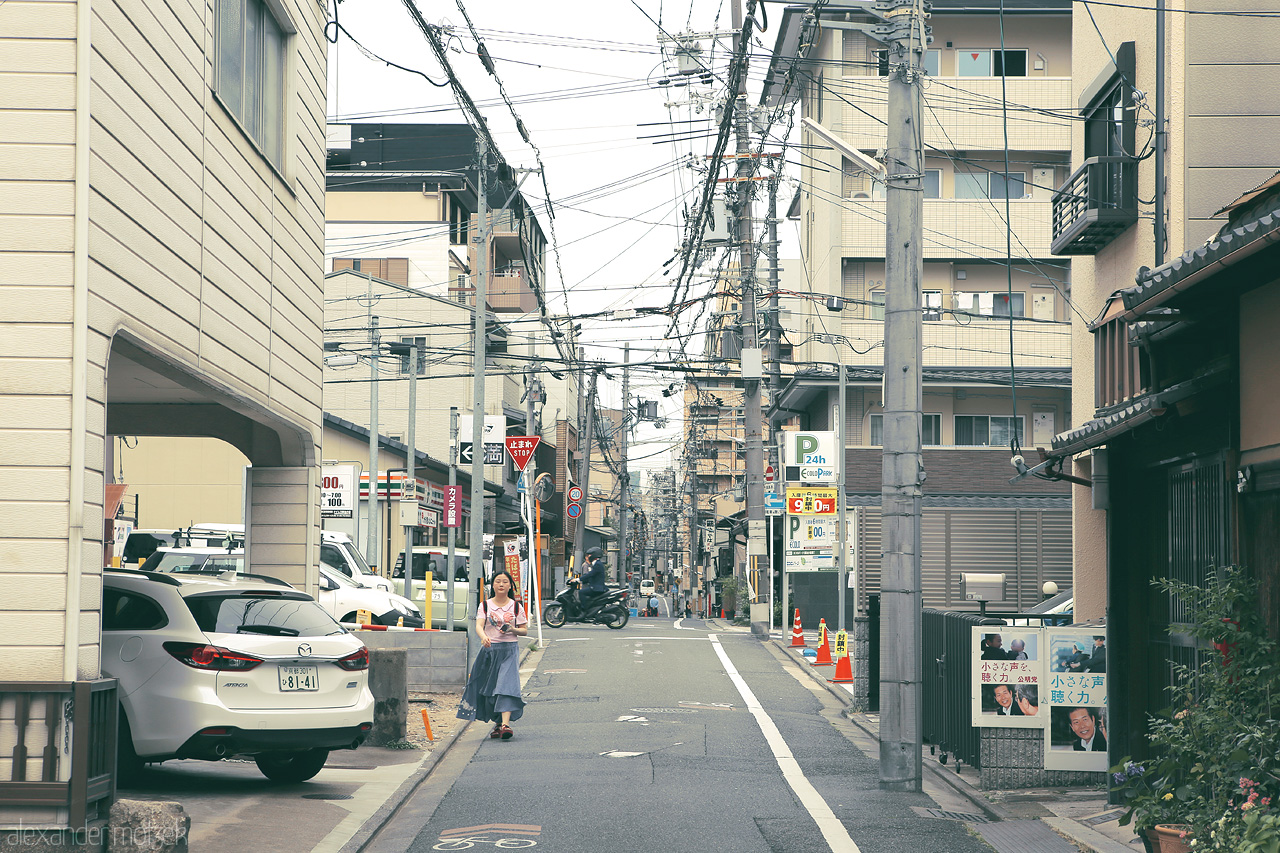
(410, 481)
(371, 548)
(453, 531)
(757, 545)
(900, 623)
(775, 383)
(584, 477)
(842, 531)
(624, 552)
(478, 361)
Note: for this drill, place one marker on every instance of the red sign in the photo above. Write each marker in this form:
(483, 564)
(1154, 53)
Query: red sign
(453, 506)
(521, 448)
(768, 474)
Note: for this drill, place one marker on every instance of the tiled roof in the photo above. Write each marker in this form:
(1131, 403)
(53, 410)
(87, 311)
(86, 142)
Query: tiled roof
(1157, 285)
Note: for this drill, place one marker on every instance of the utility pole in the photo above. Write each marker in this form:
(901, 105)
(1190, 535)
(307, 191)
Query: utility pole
(842, 533)
(371, 548)
(757, 545)
(693, 525)
(476, 561)
(411, 482)
(624, 552)
(453, 531)
(775, 380)
(900, 624)
(584, 477)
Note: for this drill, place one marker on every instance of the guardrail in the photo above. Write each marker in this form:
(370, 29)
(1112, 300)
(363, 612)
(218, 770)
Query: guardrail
(78, 719)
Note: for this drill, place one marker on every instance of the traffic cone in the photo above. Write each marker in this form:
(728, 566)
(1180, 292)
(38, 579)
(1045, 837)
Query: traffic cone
(797, 633)
(824, 648)
(844, 671)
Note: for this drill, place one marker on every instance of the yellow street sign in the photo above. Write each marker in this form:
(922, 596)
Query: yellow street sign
(810, 501)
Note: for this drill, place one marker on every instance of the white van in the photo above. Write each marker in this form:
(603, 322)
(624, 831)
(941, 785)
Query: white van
(339, 553)
(433, 559)
(646, 587)
(141, 544)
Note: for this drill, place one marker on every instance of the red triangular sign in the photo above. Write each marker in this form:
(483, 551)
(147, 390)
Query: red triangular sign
(974, 55)
(521, 448)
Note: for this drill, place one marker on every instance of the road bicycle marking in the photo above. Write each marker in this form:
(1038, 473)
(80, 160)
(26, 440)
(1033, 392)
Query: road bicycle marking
(829, 825)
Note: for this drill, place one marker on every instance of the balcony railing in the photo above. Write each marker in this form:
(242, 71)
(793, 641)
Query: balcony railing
(63, 749)
(1097, 202)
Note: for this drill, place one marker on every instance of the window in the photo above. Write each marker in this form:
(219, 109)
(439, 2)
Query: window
(126, 611)
(991, 63)
(251, 71)
(875, 311)
(997, 304)
(933, 183)
(459, 223)
(930, 430)
(394, 270)
(422, 356)
(991, 184)
(987, 430)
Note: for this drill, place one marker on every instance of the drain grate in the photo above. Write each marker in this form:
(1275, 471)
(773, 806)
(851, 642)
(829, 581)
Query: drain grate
(1105, 817)
(943, 814)
(327, 797)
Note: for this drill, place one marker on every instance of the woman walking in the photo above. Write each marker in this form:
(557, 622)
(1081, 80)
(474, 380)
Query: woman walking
(493, 691)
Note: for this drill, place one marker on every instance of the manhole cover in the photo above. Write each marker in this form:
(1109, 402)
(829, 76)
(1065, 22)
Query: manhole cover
(946, 815)
(326, 796)
(664, 710)
(1103, 818)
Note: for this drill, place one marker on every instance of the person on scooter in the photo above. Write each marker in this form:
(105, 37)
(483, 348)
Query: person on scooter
(592, 579)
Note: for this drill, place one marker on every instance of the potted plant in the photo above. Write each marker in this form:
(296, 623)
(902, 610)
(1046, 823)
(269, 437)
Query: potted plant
(1222, 729)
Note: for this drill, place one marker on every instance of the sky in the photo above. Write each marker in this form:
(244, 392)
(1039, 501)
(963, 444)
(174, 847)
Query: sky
(623, 155)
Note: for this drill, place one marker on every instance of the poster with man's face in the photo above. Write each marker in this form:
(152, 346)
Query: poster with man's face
(1008, 668)
(1076, 694)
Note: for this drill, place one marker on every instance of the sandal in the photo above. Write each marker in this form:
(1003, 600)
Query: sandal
(506, 732)
(497, 732)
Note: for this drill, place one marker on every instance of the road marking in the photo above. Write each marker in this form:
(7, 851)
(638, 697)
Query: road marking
(617, 753)
(828, 824)
(626, 718)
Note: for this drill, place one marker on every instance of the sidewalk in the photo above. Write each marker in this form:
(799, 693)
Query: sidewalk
(1082, 816)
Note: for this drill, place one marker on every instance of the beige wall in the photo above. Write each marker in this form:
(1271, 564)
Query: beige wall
(181, 481)
(132, 205)
(1259, 367)
(385, 207)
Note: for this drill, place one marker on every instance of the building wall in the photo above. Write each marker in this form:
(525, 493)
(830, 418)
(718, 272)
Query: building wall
(131, 204)
(181, 481)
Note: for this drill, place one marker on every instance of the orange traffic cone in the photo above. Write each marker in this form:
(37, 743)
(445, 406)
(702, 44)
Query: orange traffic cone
(797, 633)
(844, 671)
(824, 648)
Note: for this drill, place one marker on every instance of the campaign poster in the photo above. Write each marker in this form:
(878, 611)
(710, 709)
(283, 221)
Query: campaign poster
(1008, 674)
(1076, 693)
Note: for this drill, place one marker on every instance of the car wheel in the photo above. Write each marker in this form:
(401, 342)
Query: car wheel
(553, 615)
(292, 766)
(616, 618)
(349, 619)
(128, 764)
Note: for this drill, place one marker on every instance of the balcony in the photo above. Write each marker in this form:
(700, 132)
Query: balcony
(509, 291)
(969, 107)
(1097, 203)
(953, 227)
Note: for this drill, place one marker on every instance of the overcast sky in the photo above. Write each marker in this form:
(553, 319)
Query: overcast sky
(584, 79)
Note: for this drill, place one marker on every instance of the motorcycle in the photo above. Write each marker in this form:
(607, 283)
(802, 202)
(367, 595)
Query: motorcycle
(609, 609)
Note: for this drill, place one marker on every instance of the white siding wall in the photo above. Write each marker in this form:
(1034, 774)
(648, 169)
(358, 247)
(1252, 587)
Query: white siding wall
(194, 247)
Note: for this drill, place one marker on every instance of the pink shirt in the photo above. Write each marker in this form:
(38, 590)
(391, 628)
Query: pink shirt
(494, 616)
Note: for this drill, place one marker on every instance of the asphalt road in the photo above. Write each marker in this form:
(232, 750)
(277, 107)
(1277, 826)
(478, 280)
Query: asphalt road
(666, 736)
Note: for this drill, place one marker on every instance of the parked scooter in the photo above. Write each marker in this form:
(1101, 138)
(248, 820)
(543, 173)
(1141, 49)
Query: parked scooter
(609, 609)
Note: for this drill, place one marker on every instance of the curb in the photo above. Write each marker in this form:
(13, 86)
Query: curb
(380, 818)
(1089, 839)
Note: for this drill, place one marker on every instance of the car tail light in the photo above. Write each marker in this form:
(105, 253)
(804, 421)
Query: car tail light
(355, 661)
(204, 656)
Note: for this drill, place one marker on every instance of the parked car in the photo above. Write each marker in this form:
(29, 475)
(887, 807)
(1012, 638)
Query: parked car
(646, 588)
(141, 544)
(341, 597)
(433, 559)
(211, 666)
(338, 552)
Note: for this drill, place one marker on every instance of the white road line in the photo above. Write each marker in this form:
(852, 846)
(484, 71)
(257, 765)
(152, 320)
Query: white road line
(832, 829)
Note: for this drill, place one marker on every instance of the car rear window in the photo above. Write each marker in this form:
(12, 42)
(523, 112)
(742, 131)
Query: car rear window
(284, 614)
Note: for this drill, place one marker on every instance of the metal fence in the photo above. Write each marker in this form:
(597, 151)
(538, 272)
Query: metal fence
(48, 720)
(946, 649)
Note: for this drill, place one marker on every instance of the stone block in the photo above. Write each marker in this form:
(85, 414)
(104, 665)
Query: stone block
(137, 826)
(388, 682)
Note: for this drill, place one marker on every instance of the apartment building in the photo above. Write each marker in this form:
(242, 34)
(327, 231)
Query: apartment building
(996, 299)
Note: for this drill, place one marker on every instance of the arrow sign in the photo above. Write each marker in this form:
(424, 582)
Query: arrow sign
(521, 448)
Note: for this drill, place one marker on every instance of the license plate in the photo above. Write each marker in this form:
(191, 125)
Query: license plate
(293, 678)
(437, 595)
